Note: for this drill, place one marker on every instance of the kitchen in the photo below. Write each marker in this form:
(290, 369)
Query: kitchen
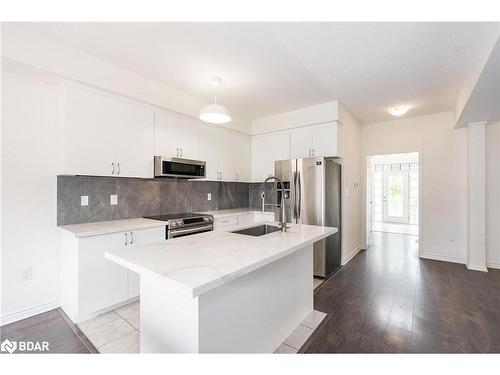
(173, 211)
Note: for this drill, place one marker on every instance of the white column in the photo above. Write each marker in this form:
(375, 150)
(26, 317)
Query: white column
(477, 196)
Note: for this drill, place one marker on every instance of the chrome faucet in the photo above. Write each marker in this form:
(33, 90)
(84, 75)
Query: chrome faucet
(283, 226)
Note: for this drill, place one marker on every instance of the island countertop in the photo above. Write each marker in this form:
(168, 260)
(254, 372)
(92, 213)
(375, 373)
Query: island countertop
(198, 263)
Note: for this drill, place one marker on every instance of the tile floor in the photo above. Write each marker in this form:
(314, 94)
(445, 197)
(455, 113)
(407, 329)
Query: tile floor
(118, 331)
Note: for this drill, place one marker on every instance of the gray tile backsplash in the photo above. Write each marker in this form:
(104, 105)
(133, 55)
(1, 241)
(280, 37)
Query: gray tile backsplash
(140, 197)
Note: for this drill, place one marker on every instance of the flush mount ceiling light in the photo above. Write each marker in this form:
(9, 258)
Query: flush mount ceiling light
(398, 111)
(215, 113)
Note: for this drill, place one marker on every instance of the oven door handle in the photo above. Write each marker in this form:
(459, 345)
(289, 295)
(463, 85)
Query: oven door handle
(172, 233)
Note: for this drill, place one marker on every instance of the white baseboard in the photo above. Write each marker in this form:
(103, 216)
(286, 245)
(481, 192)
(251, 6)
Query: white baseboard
(29, 312)
(493, 265)
(474, 267)
(351, 255)
(444, 258)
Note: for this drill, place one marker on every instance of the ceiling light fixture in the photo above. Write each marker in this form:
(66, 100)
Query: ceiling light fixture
(398, 111)
(215, 113)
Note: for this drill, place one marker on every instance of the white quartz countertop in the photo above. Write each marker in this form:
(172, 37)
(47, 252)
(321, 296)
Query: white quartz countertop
(111, 226)
(114, 226)
(217, 214)
(198, 263)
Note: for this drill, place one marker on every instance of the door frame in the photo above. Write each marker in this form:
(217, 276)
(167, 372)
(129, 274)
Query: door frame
(406, 197)
(366, 196)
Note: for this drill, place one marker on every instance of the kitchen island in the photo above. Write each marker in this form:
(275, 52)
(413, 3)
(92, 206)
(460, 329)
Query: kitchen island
(223, 292)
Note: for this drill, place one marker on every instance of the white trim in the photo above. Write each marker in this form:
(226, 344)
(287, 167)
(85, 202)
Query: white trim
(29, 312)
(474, 267)
(351, 255)
(493, 265)
(444, 258)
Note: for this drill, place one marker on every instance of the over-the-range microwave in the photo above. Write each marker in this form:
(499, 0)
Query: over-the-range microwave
(179, 168)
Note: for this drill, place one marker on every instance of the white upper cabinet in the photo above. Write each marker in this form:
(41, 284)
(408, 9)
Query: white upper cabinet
(134, 140)
(106, 136)
(166, 142)
(301, 143)
(212, 145)
(89, 146)
(325, 139)
(266, 149)
(227, 154)
(176, 135)
(315, 140)
(236, 163)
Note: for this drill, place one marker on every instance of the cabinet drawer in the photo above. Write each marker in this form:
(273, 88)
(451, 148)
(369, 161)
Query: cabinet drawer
(225, 223)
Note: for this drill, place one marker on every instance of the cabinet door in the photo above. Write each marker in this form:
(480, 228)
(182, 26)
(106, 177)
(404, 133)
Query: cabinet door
(189, 137)
(235, 165)
(300, 143)
(138, 238)
(89, 146)
(266, 149)
(166, 135)
(212, 150)
(102, 283)
(325, 140)
(134, 140)
(241, 154)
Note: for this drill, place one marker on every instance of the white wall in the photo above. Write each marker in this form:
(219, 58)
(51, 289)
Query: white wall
(493, 195)
(351, 185)
(28, 188)
(444, 177)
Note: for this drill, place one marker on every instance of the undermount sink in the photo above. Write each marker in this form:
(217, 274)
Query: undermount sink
(259, 230)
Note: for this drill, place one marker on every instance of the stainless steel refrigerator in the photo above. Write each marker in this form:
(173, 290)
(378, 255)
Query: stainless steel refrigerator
(313, 196)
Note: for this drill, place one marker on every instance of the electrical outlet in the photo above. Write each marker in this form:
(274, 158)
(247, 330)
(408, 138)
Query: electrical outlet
(27, 274)
(209, 196)
(84, 200)
(113, 199)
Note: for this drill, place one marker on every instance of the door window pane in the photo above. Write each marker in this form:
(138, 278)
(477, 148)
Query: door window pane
(395, 197)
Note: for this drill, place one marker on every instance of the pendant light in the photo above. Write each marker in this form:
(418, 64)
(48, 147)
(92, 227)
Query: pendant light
(215, 113)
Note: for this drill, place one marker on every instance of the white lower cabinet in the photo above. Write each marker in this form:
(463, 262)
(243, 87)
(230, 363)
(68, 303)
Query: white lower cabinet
(231, 222)
(90, 283)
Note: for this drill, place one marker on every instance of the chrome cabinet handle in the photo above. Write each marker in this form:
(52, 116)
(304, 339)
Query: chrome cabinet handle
(309, 152)
(126, 239)
(313, 151)
(177, 151)
(182, 152)
(131, 238)
(221, 176)
(118, 164)
(236, 176)
(113, 165)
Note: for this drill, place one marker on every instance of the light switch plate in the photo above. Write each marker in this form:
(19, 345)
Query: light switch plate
(84, 200)
(209, 196)
(113, 199)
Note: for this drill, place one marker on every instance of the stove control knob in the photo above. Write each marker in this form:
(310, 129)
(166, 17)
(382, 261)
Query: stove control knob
(179, 223)
(206, 219)
(173, 224)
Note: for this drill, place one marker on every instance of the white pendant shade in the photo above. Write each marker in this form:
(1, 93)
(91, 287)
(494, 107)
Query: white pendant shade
(215, 114)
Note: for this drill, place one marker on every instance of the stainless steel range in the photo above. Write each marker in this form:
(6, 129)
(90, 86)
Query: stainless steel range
(185, 224)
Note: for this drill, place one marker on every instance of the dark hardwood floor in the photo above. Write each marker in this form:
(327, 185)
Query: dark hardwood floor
(54, 327)
(387, 300)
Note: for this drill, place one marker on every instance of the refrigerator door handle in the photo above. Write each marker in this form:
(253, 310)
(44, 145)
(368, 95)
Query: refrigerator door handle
(300, 195)
(294, 195)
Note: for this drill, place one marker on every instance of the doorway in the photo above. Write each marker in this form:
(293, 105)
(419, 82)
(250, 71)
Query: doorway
(393, 194)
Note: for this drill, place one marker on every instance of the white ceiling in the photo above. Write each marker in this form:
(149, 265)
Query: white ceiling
(268, 68)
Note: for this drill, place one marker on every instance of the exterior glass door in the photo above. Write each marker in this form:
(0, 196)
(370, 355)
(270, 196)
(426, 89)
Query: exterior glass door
(395, 198)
